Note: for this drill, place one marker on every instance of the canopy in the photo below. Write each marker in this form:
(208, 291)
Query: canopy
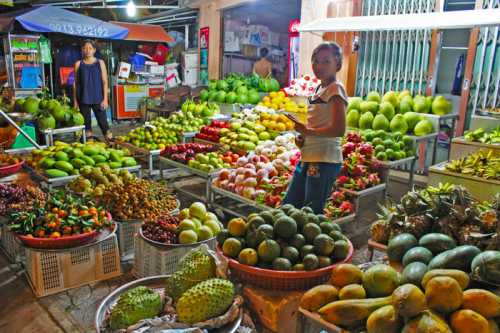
(436, 20)
(55, 19)
(145, 32)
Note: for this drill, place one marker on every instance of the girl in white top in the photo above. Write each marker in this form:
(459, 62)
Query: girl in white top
(321, 138)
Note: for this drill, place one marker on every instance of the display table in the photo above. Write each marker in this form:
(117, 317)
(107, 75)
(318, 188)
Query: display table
(217, 193)
(358, 195)
(482, 189)
(399, 164)
(461, 148)
(50, 133)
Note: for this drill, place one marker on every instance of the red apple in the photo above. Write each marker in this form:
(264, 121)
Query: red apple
(250, 173)
(224, 174)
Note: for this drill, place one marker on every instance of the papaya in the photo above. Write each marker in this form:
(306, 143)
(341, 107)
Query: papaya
(484, 302)
(467, 321)
(493, 327)
(56, 173)
(398, 246)
(345, 274)
(384, 320)
(458, 258)
(414, 273)
(61, 156)
(90, 150)
(351, 311)
(432, 322)
(437, 243)
(411, 326)
(417, 254)
(352, 291)
(443, 294)
(64, 166)
(315, 298)
(486, 265)
(88, 160)
(380, 280)
(408, 300)
(129, 162)
(459, 276)
(98, 158)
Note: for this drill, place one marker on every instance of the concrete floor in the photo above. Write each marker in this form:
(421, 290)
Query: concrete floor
(74, 310)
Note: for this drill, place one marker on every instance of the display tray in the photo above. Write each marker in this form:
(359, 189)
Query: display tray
(183, 166)
(158, 284)
(11, 169)
(238, 198)
(461, 147)
(283, 280)
(396, 163)
(60, 181)
(365, 192)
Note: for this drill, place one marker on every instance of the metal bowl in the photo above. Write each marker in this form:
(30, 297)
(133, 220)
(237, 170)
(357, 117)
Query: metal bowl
(156, 283)
(20, 117)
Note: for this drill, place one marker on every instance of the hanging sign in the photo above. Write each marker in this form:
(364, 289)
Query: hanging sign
(45, 56)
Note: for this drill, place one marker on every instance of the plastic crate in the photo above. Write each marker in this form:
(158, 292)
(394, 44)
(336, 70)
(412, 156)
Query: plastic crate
(151, 260)
(14, 251)
(50, 272)
(126, 231)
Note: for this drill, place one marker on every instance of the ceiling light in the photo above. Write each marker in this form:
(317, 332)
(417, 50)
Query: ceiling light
(131, 8)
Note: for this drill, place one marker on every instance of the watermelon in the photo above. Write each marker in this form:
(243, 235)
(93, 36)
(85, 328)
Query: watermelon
(253, 97)
(212, 85)
(204, 95)
(222, 85)
(221, 96)
(264, 85)
(231, 97)
(242, 99)
(274, 85)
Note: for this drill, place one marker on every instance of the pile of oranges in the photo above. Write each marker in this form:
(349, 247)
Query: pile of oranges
(279, 101)
(275, 122)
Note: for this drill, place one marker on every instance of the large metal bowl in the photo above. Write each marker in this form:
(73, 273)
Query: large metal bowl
(156, 283)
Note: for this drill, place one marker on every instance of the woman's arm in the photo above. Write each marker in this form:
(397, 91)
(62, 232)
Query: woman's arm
(105, 88)
(75, 99)
(337, 127)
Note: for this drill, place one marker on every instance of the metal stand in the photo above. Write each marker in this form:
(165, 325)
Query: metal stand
(49, 133)
(443, 120)
(388, 165)
(421, 154)
(23, 133)
(364, 193)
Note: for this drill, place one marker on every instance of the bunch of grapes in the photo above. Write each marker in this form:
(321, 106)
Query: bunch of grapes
(163, 230)
(20, 197)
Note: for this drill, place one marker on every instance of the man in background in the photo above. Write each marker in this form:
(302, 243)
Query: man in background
(263, 67)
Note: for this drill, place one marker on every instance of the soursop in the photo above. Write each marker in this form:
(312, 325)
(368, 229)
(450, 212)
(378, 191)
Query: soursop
(136, 304)
(206, 300)
(194, 268)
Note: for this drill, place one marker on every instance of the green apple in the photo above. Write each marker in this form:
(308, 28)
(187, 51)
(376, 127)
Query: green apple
(188, 237)
(187, 224)
(213, 225)
(264, 136)
(204, 233)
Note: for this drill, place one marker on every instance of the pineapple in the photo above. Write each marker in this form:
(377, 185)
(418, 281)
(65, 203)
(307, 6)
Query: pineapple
(489, 220)
(380, 229)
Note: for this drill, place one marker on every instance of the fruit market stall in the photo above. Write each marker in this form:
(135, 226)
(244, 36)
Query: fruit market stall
(475, 140)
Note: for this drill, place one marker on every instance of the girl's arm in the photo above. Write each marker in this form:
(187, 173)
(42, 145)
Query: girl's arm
(75, 101)
(105, 88)
(337, 127)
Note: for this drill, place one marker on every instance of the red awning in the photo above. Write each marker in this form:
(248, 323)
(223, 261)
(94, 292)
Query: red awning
(145, 32)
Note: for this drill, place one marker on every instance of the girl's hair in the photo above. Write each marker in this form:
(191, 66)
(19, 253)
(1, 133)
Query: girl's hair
(334, 48)
(91, 42)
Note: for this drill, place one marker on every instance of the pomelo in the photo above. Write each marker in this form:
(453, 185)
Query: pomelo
(398, 124)
(352, 118)
(411, 119)
(373, 96)
(380, 122)
(366, 120)
(387, 109)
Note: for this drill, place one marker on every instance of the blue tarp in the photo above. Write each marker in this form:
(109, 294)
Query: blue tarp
(54, 19)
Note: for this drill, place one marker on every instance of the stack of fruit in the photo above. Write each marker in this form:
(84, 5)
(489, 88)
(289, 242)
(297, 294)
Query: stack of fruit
(138, 199)
(256, 178)
(65, 159)
(7, 160)
(252, 114)
(209, 162)
(244, 136)
(480, 135)
(279, 147)
(194, 295)
(279, 101)
(197, 224)
(196, 155)
(200, 110)
(211, 132)
(380, 300)
(155, 135)
(275, 122)
(162, 230)
(284, 239)
(94, 180)
(339, 205)
(446, 209)
(437, 251)
(389, 146)
(186, 122)
(484, 164)
(393, 112)
(20, 196)
(360, 168)
(305, 86)
(61, 215)
(50, 113)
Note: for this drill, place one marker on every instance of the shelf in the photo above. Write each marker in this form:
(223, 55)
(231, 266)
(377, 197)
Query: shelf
(24, 51)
